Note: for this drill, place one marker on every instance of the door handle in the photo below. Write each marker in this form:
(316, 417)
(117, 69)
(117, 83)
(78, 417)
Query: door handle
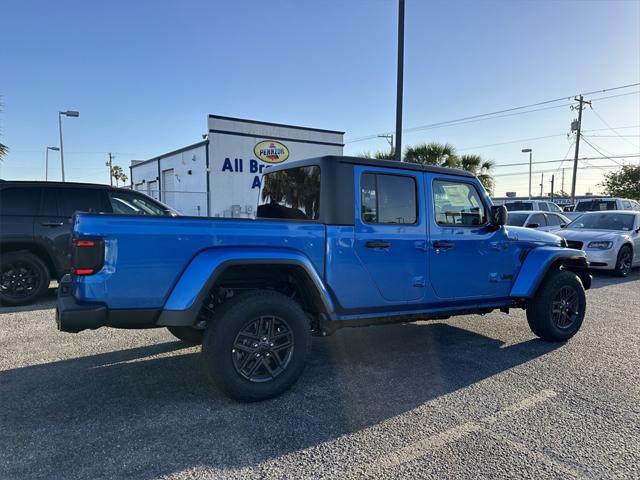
(443, 244)
(52, 224)
(378, 244)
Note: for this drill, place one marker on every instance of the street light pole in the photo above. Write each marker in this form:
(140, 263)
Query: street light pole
(398, 152)
(68, 113)
(46, 164)
(530, 152)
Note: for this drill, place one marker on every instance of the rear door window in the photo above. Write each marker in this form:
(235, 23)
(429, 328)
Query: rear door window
(388, 199)
(553, 220)
(538, 219)
(20, 201)
(72, 200)
(543, 206)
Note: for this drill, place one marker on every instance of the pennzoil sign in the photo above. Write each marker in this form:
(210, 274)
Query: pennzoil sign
(271, 151)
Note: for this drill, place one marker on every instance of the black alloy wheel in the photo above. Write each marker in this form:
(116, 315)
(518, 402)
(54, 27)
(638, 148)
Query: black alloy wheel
(564, 308)
(23, 278)
(623, 265)
(263, 348)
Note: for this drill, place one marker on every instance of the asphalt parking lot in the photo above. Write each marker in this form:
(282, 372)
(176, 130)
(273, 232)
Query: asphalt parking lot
(466, 398)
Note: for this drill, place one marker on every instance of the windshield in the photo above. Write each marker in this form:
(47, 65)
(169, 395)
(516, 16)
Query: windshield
(514, 206)
(292, 194)
(596, 205)
(134, 204)
(517, 219)
(604, 221)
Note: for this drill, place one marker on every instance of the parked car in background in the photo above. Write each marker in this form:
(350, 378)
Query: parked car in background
(35, 229)
(602, 204)
(546, 221)
(611, 239)
(531, 205)
(338, 242)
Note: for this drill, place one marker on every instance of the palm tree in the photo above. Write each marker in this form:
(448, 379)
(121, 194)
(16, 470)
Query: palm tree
(433, 153)
(118, 174)
(480, 168)
(3, 150)
(379, 155)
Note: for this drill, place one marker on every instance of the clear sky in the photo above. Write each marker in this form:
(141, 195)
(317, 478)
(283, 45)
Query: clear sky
(144, 75)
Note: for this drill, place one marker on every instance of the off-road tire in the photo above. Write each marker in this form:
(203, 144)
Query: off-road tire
(24, 261)
(623, 270)
(233, 318)
(540, 309)
(189, 335)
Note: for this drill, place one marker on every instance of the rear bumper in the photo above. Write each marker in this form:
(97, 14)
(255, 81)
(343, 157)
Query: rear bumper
(73, 316)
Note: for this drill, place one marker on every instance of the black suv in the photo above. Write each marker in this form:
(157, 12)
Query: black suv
(35, 229)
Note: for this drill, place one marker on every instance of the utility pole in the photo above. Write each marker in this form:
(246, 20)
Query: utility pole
(580, 107)
(542, 186)
(552, 181)
(398, 150)
(110, 165)
(389, 139)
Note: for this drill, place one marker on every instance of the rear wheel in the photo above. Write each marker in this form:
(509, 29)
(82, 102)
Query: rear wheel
(623, 263)
(256, 345)
(190, 335)
(23, 278)
(557, 311)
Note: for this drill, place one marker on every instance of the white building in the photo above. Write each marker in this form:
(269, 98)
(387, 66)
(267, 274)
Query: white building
(221, 175)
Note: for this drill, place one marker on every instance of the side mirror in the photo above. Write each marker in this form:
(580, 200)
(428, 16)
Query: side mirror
(533, 225)
(498, 215)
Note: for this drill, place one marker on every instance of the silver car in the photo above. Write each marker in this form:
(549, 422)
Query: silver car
(611, 239)
(545, 221)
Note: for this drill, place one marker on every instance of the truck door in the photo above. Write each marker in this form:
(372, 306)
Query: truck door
(467, 257)
(390, 231)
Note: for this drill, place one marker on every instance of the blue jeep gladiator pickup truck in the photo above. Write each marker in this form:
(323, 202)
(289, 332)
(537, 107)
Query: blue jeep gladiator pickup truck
(339, 241)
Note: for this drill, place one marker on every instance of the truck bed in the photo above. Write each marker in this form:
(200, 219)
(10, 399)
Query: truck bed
(145, 255)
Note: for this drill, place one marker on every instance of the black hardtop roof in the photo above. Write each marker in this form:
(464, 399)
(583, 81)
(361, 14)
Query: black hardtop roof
(41, 183)
(372, 162)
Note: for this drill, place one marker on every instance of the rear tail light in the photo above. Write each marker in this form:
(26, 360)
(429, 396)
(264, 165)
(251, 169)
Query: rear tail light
(87, 256)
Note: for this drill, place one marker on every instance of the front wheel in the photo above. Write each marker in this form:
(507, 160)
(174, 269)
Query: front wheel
(557, 311)
(623, 262)
(256, 345)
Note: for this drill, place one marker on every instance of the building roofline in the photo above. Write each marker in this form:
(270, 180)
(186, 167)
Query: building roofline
(174, 152)
(271, 124)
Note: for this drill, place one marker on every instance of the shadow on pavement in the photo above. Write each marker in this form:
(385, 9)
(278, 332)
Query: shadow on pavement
(605, 279)
(48, 300)
(124, 414)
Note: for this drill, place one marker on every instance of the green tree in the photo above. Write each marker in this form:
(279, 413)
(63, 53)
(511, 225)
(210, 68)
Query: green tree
(380, 155)
(480, 168)
(433, 153)
(623, 183)
(118, 174)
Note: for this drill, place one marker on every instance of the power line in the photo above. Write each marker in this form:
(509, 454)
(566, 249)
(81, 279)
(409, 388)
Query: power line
(551, 171)
(542, 137)
(612, 129)
(597, 150)
(497, 113)
(604, 157)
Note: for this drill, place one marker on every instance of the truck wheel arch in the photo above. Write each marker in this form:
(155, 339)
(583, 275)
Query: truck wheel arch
(543, 260)
(302, 271)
